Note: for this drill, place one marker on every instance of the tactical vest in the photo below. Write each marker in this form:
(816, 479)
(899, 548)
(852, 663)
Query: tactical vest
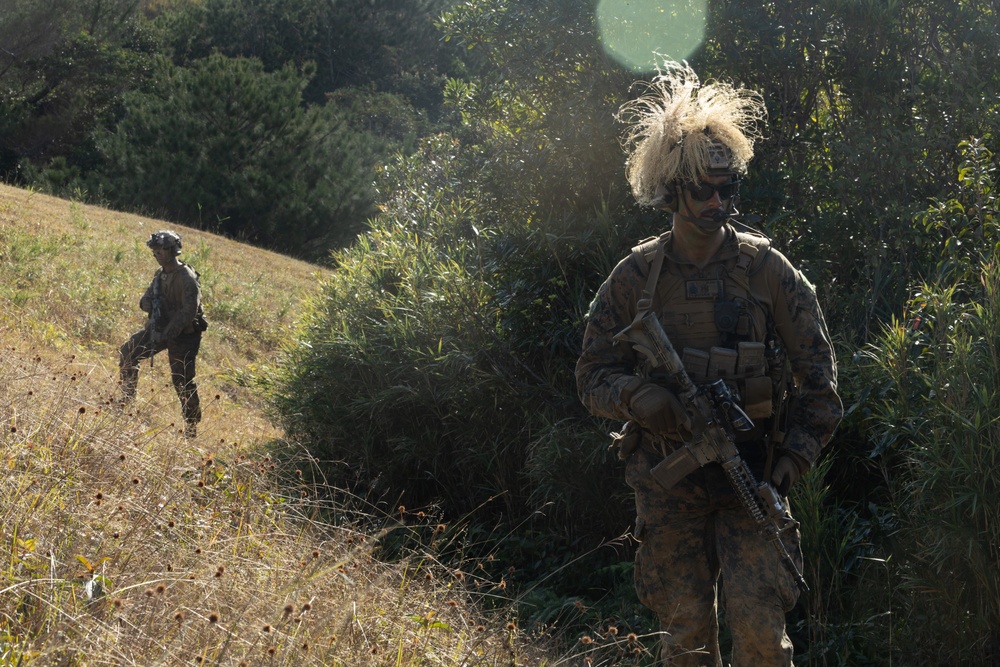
(714, 320)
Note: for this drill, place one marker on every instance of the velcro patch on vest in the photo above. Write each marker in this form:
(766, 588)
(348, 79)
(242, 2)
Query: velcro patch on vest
(702, 289)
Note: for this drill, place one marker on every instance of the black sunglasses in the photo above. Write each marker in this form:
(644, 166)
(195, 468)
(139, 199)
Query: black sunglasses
(704, 191)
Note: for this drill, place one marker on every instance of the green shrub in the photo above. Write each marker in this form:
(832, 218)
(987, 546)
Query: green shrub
(413, 368)
(939, 446)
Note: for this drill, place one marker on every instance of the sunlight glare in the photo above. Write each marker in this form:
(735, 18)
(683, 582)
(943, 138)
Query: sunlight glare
(635, 31)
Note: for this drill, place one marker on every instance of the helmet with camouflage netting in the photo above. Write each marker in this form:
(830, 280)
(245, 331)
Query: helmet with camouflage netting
(165, 239)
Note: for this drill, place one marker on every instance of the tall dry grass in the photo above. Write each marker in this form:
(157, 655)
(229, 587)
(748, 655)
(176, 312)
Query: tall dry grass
(122, 543)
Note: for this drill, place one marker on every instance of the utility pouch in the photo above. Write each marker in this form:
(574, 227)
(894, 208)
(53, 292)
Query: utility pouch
(696, 364)
(627, 441)
(200, 323)
(751, 359)
(757, 397)
(721, 363)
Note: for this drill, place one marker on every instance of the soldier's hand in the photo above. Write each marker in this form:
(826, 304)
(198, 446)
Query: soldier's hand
(156, 337)
(788, 469)
(659, 411)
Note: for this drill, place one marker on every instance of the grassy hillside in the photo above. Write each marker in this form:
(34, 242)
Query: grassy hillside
(122, 543)
(70, 281)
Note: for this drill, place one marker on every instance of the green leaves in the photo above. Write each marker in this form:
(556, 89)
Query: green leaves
(940, 417)
(227, 147)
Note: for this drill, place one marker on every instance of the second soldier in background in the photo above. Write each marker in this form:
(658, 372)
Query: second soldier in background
(176, 322)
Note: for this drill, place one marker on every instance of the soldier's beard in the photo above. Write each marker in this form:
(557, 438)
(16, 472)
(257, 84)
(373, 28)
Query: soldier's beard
(711, 221)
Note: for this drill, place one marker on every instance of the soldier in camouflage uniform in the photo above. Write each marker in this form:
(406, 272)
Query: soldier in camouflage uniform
(176, 322)
(738, 310)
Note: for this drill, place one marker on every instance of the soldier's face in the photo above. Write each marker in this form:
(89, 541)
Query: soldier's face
(709, 195)
(163, 255)
(705, 203)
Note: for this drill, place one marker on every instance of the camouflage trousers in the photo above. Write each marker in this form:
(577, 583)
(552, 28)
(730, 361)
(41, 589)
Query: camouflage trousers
(181, 352)
(692, 537)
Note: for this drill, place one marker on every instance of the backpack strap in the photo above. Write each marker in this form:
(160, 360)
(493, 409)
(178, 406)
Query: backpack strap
(650, 252)
(754, 248)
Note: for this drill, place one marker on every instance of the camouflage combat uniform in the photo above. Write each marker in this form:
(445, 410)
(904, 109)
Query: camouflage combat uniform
(697, 531)
(180, 336)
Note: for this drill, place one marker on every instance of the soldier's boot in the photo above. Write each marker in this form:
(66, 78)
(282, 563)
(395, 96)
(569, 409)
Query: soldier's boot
(129, 383)
(191, 409)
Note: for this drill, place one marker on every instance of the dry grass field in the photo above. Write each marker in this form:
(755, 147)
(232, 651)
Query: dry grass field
(122, 543)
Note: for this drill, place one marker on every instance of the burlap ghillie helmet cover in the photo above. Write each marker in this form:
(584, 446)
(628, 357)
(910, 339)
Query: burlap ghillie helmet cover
(674, 127)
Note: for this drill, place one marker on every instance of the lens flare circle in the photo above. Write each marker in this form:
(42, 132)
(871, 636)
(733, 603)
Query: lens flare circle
(640, 33)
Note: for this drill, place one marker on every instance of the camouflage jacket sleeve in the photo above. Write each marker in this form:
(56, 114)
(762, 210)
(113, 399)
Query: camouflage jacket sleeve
(605, 372)
(815, 408)
(183, 297)
(146, 302)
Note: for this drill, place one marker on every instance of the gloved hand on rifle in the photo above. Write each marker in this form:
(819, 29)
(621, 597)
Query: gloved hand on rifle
(659, 411)
(788, 469)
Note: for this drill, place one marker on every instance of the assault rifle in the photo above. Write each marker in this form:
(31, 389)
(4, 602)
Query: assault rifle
(716, 416)
(156, 313)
